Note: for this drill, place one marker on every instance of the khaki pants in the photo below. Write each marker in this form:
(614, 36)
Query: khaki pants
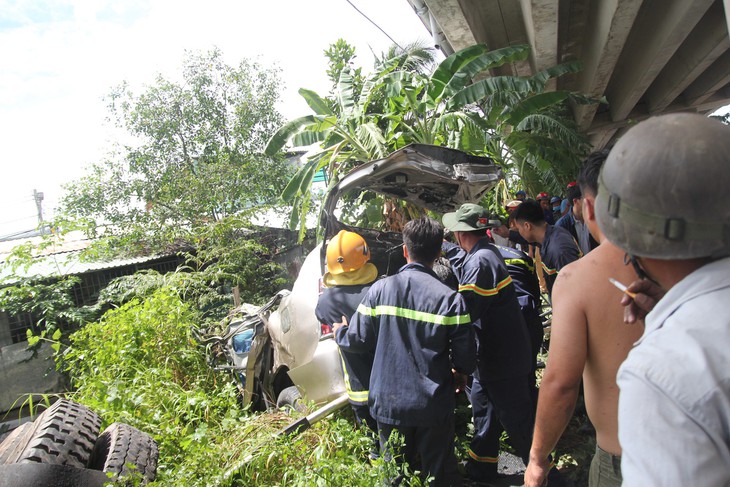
(605, 470)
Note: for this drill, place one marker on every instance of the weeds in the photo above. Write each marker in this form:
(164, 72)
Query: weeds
(140, 365)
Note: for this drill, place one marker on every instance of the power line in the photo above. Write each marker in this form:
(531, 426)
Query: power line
(18, 219)
(376, 25)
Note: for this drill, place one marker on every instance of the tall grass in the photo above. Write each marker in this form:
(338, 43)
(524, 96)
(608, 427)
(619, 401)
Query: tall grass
(140, 365)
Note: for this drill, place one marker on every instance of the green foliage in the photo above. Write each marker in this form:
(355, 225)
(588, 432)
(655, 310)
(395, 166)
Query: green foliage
(50, 301)
(140, 365)
(196, 154)
(340, 56)
(512, 119)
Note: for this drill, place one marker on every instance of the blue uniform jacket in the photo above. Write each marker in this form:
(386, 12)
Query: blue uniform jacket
(334, 303)
(557, 250)
(521, 268)
(419, 329)
(504, 346)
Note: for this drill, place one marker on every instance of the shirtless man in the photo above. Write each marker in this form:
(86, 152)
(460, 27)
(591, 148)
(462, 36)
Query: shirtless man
(590, 339)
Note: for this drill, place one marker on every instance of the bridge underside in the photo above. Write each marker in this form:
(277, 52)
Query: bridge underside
(646, 57)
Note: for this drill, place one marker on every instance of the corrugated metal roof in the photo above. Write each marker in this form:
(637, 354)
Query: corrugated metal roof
(62, 258)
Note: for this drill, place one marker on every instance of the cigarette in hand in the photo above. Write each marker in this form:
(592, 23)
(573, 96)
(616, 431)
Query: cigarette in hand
(623, 288)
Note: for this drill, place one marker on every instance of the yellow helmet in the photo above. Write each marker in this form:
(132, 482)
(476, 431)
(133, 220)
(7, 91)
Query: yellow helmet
(346, 252)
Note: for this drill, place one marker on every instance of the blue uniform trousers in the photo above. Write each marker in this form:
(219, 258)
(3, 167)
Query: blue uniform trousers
(435, 446)
(500, 405)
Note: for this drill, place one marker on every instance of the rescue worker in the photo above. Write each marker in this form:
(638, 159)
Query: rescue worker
(573, 219)
(521, 269)
(544, 200)
(557, 246)
(348, 278)
(419, 330)
(656, 201)
(500, 393)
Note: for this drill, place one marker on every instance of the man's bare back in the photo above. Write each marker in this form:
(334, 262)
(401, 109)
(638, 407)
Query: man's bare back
(586, 299)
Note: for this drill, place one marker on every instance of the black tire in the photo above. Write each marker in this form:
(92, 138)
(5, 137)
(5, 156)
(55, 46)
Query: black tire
(15, 442)
(63, 434)
(290, 397)
(121, 445)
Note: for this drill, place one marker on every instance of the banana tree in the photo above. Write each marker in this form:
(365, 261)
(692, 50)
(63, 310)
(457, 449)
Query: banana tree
(510, 118)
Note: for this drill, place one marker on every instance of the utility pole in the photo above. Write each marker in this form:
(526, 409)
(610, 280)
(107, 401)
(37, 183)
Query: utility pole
(38, 197)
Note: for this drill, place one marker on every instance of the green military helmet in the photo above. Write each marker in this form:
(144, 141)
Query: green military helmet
(661, 190)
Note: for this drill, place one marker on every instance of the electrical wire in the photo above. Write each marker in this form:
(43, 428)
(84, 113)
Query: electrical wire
(376, 25)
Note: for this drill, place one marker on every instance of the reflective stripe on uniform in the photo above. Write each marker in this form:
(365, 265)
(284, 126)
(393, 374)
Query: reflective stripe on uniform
(522, 262)
(360, 397)
(482, 459)
(548, 270)
(414, 315)
(486, 292)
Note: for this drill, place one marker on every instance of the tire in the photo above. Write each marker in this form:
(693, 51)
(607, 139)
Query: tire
(290, 397)
(63, 434)
(121, 445)
(14, 443)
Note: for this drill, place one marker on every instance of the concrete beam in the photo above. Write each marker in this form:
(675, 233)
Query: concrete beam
(711, 80)
(604, 122)
(452, 20)
(610, 24)
(541, 26)
(511, 16)
(660, 28)
(707, 42)
(498, 23)
(599, 140)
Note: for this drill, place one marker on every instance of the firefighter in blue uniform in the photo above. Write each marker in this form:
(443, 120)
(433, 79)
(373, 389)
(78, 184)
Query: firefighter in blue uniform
(420, 330)
(348, 278)
(501, 396)
(557, 246)
(521, 269)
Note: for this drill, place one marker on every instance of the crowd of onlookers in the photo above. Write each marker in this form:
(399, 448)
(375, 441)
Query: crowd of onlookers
(634, 262)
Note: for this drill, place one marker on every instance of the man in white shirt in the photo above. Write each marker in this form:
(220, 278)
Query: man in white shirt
(674, 402)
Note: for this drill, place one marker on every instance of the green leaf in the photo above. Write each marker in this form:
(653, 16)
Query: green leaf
(557, 71)
(286, 132)
(484, 62)
(56, 335)
(482, 89)
(302, 179)
(535, 104)
(308, 137)
(345, 94)
(449, 66)
(318, 104)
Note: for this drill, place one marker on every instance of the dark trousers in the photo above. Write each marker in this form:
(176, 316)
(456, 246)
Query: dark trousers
(362, 416)
(500, 405)
(434, 444)
(537, 334)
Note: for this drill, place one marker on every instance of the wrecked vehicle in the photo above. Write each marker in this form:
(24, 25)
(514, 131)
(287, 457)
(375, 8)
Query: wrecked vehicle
(280, 353)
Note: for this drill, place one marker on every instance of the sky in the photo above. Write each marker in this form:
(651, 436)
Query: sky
(60, 58)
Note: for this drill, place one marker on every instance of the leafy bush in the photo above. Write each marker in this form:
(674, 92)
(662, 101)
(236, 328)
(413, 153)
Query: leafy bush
(140, 365)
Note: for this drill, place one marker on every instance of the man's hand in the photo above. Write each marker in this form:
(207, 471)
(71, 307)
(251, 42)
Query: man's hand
(459, 381)
(337, 326)
(647, 295)
(537, 472)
